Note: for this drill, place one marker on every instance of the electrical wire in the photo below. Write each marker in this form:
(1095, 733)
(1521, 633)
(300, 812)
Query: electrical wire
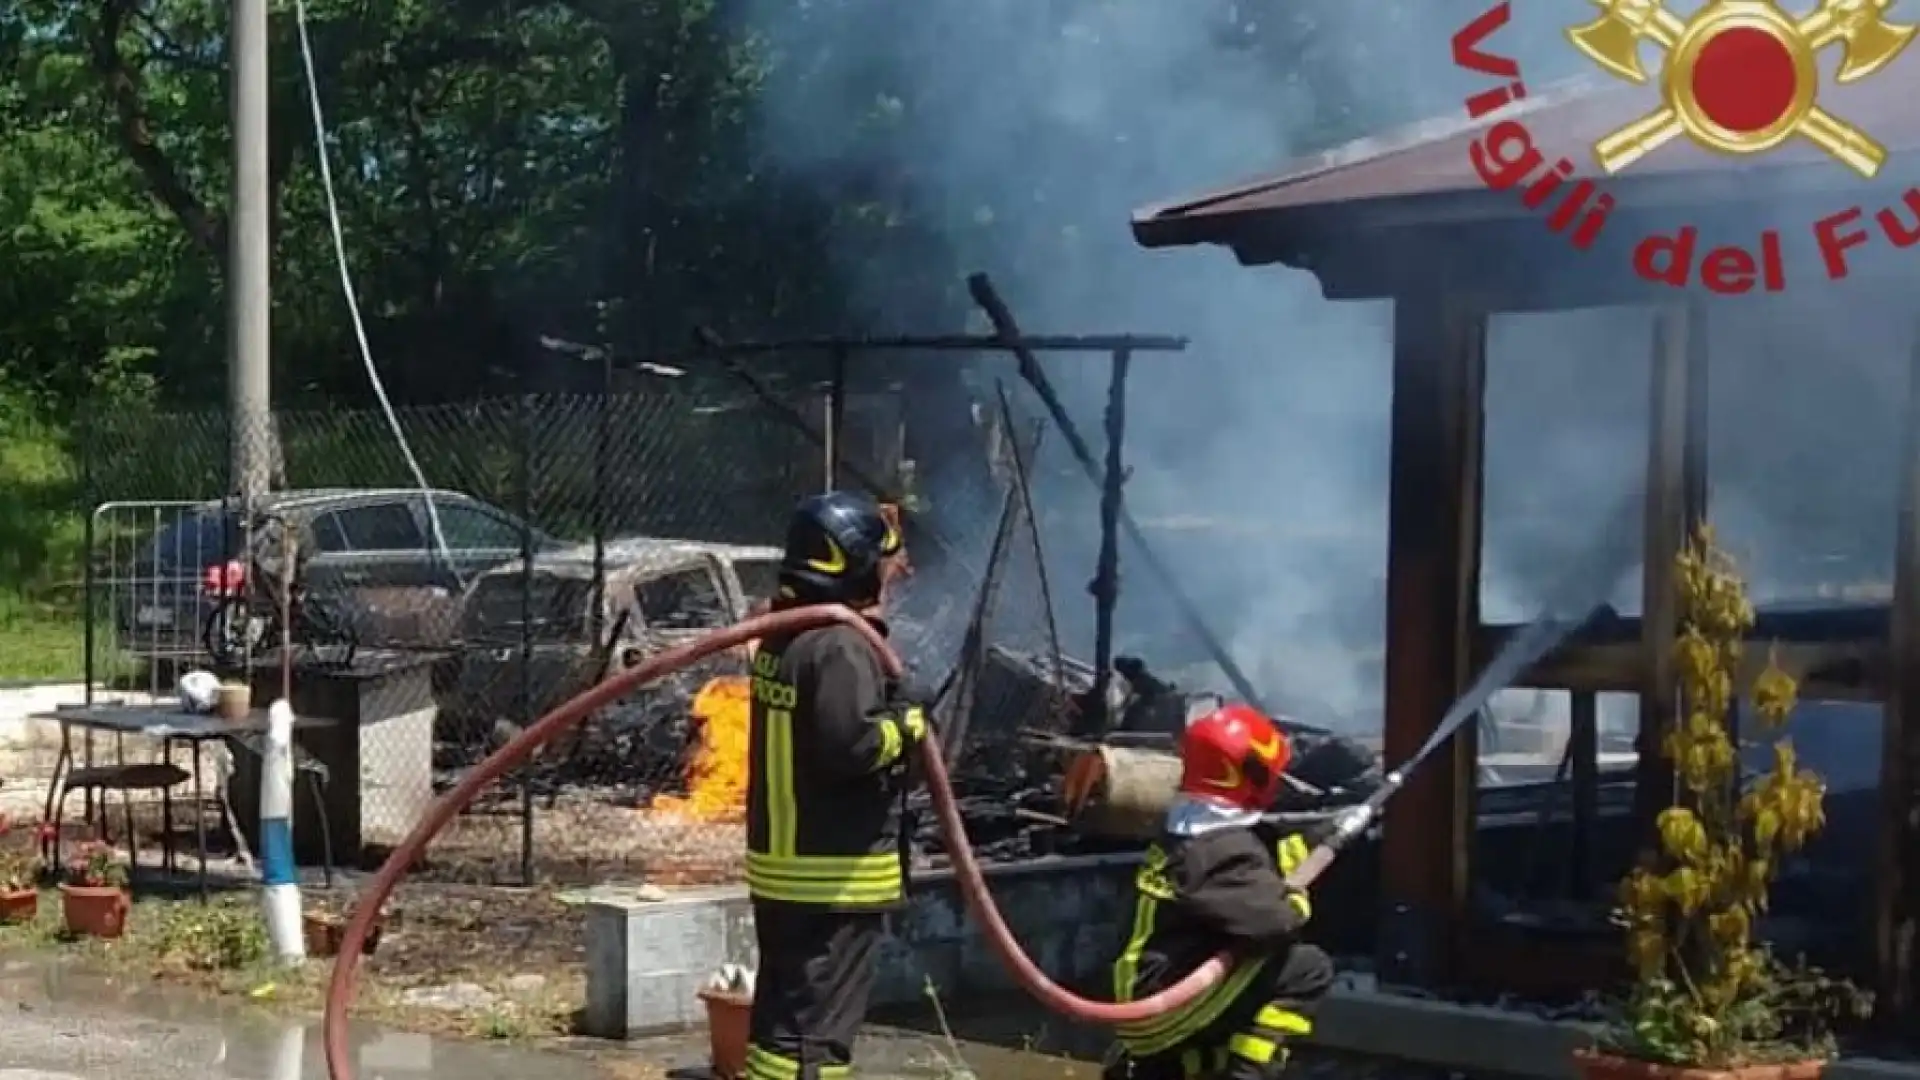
(353, 303)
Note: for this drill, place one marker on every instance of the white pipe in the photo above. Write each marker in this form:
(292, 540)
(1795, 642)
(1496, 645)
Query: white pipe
(289, 1054)
(280, 892)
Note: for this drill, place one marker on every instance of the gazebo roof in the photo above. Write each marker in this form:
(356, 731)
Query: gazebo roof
(1421, 174)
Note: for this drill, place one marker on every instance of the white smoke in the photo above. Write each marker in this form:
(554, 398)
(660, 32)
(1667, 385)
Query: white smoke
(1028, 130)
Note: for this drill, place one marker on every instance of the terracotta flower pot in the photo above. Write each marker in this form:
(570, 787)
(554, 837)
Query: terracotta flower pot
(22, 906)
(95, 910)
(727, 1029)
(324, 932)
(1598, 1065)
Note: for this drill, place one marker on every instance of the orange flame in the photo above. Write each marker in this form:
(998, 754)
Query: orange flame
(717, 776)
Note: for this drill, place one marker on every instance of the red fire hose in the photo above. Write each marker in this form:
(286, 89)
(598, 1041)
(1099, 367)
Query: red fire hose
(966, 868)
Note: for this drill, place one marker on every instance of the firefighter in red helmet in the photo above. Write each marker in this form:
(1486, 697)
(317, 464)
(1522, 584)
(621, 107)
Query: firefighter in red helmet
(1216, 881)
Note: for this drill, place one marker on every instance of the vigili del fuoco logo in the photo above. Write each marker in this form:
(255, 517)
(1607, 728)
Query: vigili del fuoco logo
(1738, 78)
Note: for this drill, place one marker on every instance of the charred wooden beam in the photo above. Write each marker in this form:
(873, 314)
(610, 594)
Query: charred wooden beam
(792, 417)
(1022, 479)
(1010, 339)
(1082, 343)
(1582, 760)
(1433, 550)
(1106, 578)
(836, 433)
(1897, 869)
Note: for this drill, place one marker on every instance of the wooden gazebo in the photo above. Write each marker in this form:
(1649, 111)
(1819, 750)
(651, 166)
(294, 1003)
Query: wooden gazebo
(1405, 217)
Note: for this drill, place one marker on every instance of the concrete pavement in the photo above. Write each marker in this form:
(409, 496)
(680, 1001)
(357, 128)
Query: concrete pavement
(56, 1024)
(59, 1026)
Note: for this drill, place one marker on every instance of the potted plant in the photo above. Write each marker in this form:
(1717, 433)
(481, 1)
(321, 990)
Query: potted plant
(1706, 1001)
(728, 996)
(94, 896)
(325, 927)
(20, 867)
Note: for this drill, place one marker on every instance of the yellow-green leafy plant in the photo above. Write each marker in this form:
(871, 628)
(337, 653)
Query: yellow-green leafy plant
(1705, 994)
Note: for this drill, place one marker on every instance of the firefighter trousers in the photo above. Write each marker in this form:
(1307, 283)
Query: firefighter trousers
(810, 993)
(1250, 1039)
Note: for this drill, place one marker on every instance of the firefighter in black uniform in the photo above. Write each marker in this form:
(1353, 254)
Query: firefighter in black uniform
(1216, 882)
(831, 740)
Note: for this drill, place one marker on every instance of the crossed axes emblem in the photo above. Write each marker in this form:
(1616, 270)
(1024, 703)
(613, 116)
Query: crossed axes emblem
(1860, 27)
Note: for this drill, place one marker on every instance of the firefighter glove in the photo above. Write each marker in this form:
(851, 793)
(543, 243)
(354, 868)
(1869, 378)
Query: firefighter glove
(903, 727)
(1301, 905)
(1290, 853)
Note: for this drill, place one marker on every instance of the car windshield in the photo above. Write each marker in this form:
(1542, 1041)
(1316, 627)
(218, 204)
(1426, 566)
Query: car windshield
(686, 599)
(758, 578)
(496, 612)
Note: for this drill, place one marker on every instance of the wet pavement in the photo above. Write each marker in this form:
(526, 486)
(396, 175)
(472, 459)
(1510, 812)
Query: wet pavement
(56, 1024)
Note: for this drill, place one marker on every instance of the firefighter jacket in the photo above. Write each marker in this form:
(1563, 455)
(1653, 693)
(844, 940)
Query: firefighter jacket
(826, 773)
(1197, 896)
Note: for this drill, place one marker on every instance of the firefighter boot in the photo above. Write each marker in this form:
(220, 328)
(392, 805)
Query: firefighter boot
(1260, 1051)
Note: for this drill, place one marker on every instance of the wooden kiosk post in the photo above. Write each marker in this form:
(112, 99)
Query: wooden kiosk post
(1433, 588)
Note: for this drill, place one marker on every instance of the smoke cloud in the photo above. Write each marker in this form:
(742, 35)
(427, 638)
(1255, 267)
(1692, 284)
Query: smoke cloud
(1028, 131)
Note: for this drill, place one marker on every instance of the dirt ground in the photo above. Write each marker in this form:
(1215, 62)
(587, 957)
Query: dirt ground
(455, 960)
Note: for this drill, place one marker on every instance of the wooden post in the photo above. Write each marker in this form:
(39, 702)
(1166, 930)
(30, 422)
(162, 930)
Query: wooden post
(1675, 507)
(836, 418)
(1106, 579)
(1897, 870)
(1583, 752)
(1433, 555)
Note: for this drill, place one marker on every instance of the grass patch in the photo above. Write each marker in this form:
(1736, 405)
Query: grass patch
(41, 639)
(222, 948)
(42, 550)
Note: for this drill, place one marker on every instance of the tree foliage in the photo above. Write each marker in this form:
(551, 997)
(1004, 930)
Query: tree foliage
(591, 169)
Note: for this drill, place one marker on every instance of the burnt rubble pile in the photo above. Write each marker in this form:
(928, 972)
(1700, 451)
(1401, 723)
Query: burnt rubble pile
(1006, 773)
(629, 752)
(1007, 777)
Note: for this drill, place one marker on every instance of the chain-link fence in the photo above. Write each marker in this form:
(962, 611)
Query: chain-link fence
(430, 591)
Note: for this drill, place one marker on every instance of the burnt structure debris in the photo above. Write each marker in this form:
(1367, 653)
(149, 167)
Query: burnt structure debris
(1405, 218)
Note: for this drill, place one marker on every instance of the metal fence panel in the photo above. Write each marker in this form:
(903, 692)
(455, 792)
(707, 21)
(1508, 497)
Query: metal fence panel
(559, 537)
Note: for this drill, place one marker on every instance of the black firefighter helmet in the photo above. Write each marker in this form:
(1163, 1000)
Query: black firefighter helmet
(836, 543)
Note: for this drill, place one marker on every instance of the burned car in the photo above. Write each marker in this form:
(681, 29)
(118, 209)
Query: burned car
(527, 643)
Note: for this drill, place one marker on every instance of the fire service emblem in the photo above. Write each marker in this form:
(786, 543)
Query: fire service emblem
(1740, 76)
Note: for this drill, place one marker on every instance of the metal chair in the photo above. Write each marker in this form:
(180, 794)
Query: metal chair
(125, 779)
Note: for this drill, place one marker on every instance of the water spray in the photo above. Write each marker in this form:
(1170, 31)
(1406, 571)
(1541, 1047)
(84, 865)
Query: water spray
(1521, 651)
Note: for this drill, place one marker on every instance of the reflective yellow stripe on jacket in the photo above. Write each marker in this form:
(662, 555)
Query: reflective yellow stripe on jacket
(780, 873)
(1164, 1032)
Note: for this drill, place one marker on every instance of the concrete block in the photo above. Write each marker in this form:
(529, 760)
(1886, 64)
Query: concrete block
(1361, 1019)
(1872, 1069)
(646, 960)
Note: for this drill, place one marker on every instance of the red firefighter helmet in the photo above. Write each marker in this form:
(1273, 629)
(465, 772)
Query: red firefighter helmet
(1233, 755)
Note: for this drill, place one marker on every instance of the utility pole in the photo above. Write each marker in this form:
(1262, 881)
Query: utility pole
(249, 284)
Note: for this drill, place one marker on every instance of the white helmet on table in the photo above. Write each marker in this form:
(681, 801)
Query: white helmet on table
(199, 691)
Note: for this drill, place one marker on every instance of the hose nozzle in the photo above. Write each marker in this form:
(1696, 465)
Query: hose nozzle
(1349, 824)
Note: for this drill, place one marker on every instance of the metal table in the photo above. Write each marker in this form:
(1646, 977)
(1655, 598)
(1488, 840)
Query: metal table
(167, 722)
